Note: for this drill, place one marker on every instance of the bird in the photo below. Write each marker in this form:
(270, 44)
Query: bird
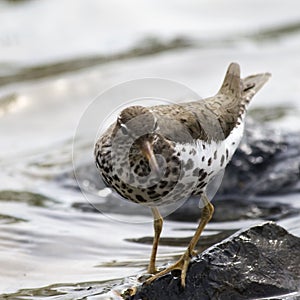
(158, 155)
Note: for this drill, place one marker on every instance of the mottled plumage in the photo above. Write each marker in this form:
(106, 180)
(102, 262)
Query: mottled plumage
(161, 154)
(191, 134)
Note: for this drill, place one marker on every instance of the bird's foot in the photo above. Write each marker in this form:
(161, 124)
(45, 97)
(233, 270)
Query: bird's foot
(182, 264)
(152, 270)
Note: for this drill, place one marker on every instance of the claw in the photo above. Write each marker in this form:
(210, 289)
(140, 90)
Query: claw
(182, 264)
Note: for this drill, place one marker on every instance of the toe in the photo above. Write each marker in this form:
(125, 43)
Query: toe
(182, 264)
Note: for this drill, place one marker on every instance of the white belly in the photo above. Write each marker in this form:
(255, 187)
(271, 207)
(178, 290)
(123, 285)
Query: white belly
(210, 157)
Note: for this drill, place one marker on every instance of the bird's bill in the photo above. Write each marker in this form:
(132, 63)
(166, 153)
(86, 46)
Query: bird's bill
(147, 151)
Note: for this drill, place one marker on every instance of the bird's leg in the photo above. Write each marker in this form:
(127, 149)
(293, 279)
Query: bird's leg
(158, 223)
(207, 213)
(183, 262)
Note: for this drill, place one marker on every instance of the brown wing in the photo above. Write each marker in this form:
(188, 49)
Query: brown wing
(208, 119)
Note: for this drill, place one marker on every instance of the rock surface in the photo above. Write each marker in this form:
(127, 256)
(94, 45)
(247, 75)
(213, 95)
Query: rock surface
(267, 162)
(262, 261)
(236, 208)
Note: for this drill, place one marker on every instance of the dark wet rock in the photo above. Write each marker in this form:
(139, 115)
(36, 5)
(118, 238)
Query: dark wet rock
(232, 208)
(262, 261)
(267, 162)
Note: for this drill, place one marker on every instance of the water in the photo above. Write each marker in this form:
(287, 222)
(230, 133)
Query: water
(54, 63)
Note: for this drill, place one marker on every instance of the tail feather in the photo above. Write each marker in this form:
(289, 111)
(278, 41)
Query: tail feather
(252, 84)
(234, 96)
(232, 81)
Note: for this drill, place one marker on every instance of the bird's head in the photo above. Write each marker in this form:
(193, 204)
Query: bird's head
(138, 125)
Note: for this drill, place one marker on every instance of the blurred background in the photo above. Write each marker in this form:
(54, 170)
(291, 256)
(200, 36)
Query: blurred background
(56, 56)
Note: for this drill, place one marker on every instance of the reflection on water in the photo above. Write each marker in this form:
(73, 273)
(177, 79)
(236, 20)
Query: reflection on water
(53, 244)
(145, 47)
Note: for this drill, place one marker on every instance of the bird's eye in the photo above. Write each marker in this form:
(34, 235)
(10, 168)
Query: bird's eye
(124, 129)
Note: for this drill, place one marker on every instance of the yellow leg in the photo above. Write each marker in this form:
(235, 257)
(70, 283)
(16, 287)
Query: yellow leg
(184, 260)
(158, 223)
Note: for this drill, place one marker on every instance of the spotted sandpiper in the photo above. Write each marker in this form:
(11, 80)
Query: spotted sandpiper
(161, 154)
